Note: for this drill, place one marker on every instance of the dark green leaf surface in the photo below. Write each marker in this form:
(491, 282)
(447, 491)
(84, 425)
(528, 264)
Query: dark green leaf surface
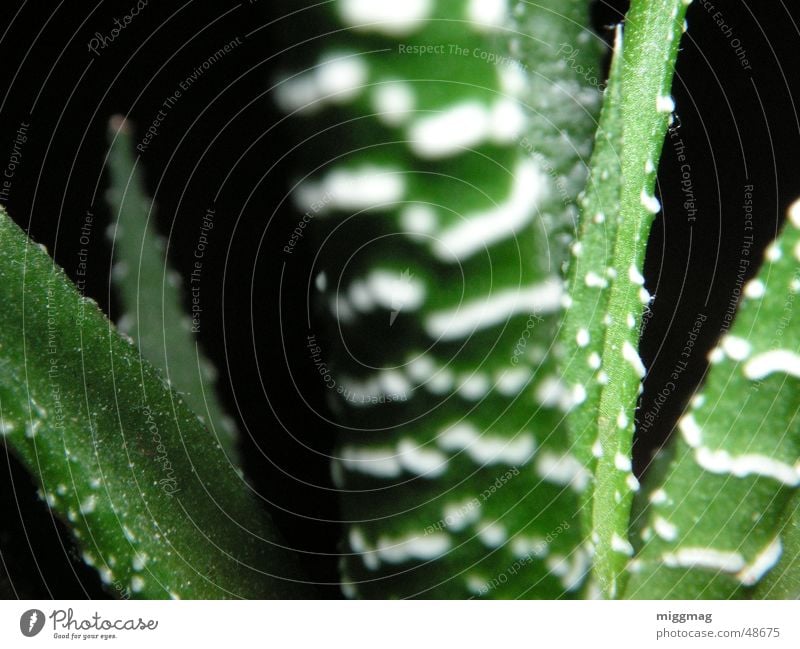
(151, 293)
(153, 502)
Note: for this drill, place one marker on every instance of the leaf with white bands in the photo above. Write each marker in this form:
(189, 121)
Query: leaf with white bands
(736, 453)
(459, 180)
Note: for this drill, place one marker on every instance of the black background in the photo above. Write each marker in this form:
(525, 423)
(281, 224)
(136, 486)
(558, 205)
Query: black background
(221, 143)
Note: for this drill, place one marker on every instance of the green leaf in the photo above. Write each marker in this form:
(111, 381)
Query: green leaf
(442, 296)
(584, 327)
(715, 513)
(152, 501)
(151, 294)
(605, 321)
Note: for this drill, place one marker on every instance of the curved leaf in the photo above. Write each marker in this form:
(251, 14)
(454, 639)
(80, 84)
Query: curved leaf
(151, 499)
(715, 512)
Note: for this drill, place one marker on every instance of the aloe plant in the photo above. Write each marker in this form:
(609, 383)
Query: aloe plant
(479, 296)
(738, 438)
(464, 190)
